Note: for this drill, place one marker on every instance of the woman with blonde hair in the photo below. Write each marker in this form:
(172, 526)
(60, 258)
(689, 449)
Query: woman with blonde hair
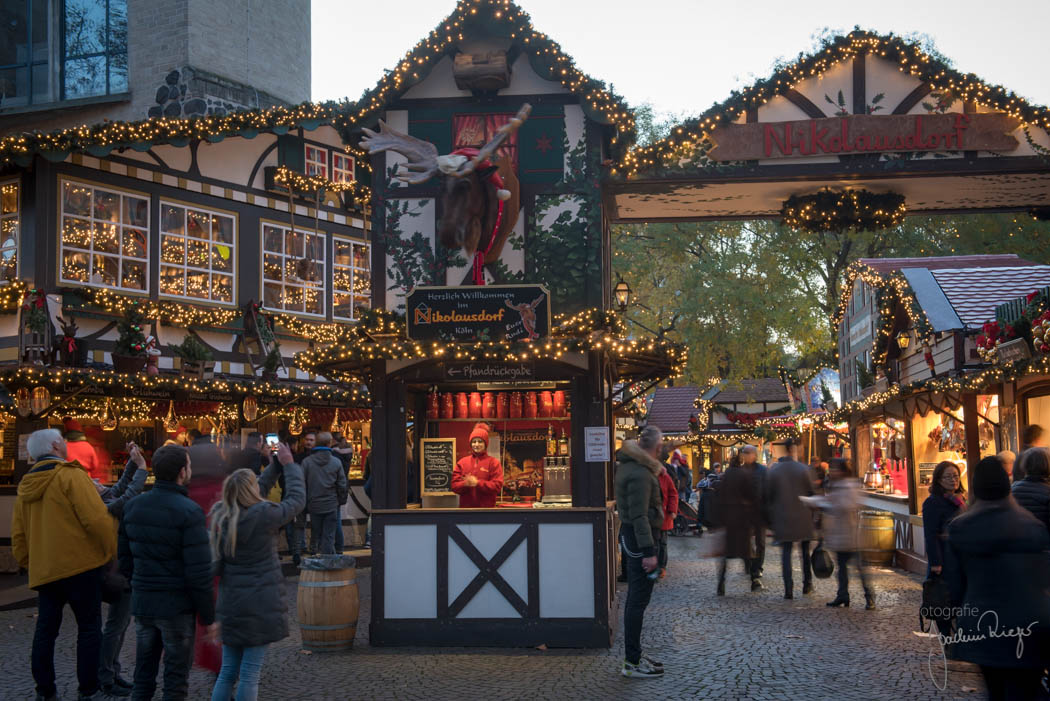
(251, 610)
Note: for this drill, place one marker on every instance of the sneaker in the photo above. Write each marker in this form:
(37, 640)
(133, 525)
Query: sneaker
(789, 595)
(756, 585)
(869, 602)
(656, 665)
(643, 670)
(116, 690)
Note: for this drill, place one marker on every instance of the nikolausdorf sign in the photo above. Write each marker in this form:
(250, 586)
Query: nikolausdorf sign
(480, 313)
(839, 136)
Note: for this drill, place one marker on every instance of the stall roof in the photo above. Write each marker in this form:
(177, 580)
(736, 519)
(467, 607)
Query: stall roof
(974, 293)
(672, 407)
(763, 389)
(885, 266)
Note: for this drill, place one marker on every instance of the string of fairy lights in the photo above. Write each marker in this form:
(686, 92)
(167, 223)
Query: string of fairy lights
(689, 141)
(847, 210)
(500, 16)
(382, 337)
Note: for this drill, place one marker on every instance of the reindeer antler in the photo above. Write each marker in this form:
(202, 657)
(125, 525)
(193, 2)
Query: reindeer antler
(490, 148)
(421, 155)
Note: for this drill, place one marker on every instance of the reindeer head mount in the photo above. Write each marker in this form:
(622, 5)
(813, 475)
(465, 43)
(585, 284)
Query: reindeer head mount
(470, 192)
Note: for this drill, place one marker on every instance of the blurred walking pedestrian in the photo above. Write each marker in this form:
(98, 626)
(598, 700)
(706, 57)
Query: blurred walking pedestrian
(62, 533)
(760, 521)
(791, 519)
(1033, 436)
(738, 506)
(997, 566)
(669, 495)
(841, 530)
(80, 450)
(640, 507)
(164, 550)
(251, 612)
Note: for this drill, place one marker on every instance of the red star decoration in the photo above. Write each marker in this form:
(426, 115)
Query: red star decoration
(543, 144)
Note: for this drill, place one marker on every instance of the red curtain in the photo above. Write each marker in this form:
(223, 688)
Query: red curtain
(475, 130)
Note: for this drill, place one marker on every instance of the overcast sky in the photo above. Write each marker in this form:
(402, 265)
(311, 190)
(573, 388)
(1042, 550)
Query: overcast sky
(685, 55)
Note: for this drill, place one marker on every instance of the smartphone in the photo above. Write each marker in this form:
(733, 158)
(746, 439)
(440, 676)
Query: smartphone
(271, 442)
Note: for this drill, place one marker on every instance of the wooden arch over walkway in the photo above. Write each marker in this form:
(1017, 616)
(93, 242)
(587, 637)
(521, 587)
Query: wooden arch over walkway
(867, 111)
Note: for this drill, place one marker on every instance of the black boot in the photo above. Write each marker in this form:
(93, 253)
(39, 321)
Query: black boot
(789, 594)
(756, 585)
(807, 588)
(721, 591)
(869, 601)
(839, 601)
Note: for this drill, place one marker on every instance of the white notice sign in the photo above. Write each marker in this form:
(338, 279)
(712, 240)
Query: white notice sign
(596, 443)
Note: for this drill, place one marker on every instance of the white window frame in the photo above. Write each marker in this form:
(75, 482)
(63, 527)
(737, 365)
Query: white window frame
(321, 285)
(185, 266)
(312, 166)
(353, 275)
(91, 251)
(343, 175)
(15, 216)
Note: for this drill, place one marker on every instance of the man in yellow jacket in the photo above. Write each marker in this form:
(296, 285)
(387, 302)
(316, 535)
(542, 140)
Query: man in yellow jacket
(63, 534)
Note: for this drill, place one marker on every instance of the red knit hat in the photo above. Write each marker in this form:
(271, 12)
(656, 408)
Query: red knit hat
(480, 431)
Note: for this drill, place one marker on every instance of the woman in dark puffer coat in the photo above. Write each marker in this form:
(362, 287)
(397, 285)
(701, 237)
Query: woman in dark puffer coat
(251, 608)
(1033, 492)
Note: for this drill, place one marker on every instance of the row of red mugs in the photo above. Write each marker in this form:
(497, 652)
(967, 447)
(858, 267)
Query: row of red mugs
(496, 405)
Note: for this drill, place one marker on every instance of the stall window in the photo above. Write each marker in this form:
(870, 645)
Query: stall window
(342, 167)
(316, 161)
(987, 421)
(293, 269)
(1039, 411)
(936, 437)
(196, 253)
(9, 225)
(351, 278)
(105, 237)
(883, 451)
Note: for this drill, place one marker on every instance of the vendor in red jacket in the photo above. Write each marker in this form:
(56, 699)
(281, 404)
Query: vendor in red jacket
(478, 478)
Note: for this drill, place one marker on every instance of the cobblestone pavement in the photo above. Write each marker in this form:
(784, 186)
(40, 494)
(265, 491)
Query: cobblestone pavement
(743, 646)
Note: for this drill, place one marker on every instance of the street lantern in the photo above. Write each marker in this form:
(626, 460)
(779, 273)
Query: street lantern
(903, 340)
(622, 292)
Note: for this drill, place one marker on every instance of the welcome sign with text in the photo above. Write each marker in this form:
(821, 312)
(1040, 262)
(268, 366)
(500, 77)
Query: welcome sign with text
(479, 313)
(840, 136)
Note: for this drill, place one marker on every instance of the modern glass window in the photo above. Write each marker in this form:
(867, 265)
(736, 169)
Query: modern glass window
(9, 226)
(196, 253)
(24, 53)
(94, 48)
(351, 278)
(342, 167)
(316, 161)
(293, 270)
(105, 237)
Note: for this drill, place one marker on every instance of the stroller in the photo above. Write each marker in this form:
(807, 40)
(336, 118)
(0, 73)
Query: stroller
(686, 520)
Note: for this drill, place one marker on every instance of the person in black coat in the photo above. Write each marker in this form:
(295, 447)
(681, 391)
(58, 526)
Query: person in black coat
(997, 565)
(1033, 492)
(163, 550)
(943, 504)
(251, 608)
(737, 509)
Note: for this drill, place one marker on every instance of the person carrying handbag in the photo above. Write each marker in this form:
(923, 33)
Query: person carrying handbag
(944, 504)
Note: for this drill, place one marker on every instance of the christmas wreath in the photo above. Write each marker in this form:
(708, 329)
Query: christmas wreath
(846, 210)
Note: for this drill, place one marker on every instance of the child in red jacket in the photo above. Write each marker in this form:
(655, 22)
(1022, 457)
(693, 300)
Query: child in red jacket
(670, 496)
(478, 478)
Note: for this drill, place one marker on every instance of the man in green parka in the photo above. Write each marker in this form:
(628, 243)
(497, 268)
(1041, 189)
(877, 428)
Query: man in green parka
(640, 506)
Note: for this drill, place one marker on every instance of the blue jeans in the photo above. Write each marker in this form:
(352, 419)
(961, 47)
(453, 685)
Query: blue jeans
(172, 637)
(116, 625)
(244, 663)
(322, 532)
(295, 532)
(83, 593)
(339, 542)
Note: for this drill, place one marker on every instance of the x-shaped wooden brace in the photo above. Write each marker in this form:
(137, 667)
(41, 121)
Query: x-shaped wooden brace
(488, 571)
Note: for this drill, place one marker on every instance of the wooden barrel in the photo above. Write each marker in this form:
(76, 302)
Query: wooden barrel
(327, 609)
(877, 538)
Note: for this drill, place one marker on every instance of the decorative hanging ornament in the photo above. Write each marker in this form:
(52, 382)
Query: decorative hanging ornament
(41, 400)
(250, 407)
(109, 419)
(848, 210)
(204, 425)
(334, 428)
(295, 426)
(171, 422)
(22, 402)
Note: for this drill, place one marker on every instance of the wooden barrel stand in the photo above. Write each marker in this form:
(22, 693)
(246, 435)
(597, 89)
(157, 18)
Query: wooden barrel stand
(327, 602)
(877, 538)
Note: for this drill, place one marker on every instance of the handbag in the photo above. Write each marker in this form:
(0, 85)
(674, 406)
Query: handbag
(935, 597)
(821, 562)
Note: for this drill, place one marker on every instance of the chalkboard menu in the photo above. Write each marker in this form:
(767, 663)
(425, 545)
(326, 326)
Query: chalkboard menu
(439, 459)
